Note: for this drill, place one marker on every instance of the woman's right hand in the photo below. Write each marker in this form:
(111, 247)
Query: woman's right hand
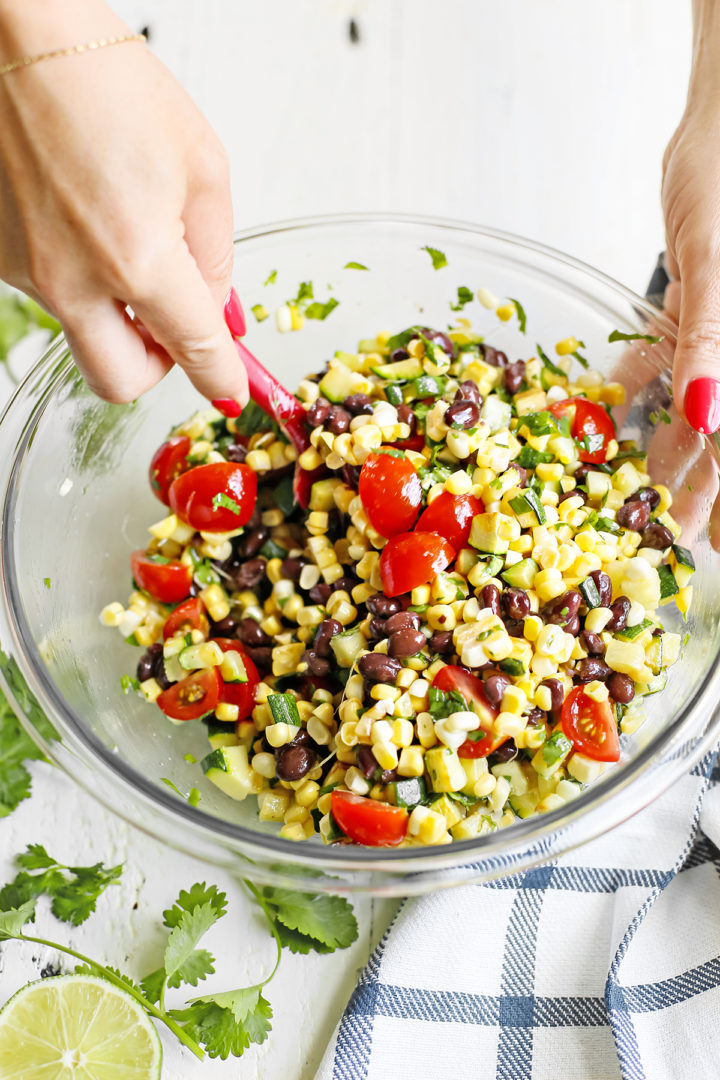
(114, 192)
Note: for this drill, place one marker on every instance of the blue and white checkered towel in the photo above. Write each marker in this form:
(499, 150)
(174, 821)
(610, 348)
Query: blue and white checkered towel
(602, 965)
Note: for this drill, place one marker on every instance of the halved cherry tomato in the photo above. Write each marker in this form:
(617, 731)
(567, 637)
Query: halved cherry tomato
(365, 821)
(588, 419)
(168, 461)
(168, 581)
(412, 559)
(451, 516)
(241, 694)
(481, 742)
(193, 697)
(215, 498)
(590, 725)
(390, 491)
(188, 616)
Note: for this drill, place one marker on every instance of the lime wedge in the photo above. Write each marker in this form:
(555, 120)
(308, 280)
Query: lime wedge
(77, 1027)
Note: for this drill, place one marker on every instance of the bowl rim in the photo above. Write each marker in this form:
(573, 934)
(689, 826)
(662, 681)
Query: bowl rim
(499, 845)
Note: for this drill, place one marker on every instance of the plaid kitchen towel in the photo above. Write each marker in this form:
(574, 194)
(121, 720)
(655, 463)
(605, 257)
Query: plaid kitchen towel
(601, 965)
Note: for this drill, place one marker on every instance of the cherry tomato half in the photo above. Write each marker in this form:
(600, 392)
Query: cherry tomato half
(390, 491)
(188, 616)
(412, 559)
(590, 725)
(168, 581)
(451, 516)
(215, 498)
(193, 697)
(369, 822)
(241, 694)
(464, 682)
(168, 461)
(588, 420)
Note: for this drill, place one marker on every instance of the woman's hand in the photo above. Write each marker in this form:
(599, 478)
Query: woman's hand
(691, 203)
(114, 191)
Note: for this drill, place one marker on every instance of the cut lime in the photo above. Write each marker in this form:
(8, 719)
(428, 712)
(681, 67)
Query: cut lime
(77, 1027)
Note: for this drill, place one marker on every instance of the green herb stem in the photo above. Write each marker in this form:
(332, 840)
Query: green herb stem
(271, 923)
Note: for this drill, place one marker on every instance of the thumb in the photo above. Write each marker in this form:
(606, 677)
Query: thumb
(183, 317)
(696, 368)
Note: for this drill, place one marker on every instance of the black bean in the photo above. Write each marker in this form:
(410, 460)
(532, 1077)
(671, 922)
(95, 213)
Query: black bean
(358, 405)
(318, 411)
(351, 475)
(634, 515)
(147, 661)
(515, 627)
(159, 673)
(403, 620)
(399, 354)
(438, 337)
(406, 642)
(327, 629)
(442, 642)
(320, 593)
(317, 665)
(261, 656)
(592, 643)
(224, 628)
(293, 762)
(337, 420)
(490, 597)
(516, 603)
(388, 776)
(378, 628)
(344, 584)
(557, 694)
(572, 494)
(620, 611)
(384, 606)
(253, 541)
(366, 761)
(494, 356)
(462, 414)
(536, 716)
(657, 536)
(603, 584)
(236, 452)
(470, 391)
(521, 472)
(495, 686)
(507, 752)
(376, 667)
(648, 495)
(592, 668)
(582, 471)
(621, 687)
(251, 633)
(249, 574)
(514, 376)
(291, 568)
(407, 416)
(563, 611)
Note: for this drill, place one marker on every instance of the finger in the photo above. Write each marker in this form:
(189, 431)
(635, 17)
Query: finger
(183, 317)
(696, 375)
(118, 361)
(208, 219)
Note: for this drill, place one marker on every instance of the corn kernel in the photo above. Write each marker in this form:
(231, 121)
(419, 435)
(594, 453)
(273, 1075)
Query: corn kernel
(411, 762)
(425, 726)
(264, 764)
(227, 712)
(386, 754)
(428, 826)
(112, 614)
(402, 732)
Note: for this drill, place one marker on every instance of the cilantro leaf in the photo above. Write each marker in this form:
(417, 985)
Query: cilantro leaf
(618, 335)
(522, 317)
(355, 266)
(196, 966)
(13, 921)
(327, 920)
(444, 702)
(35, 857)
(16, 746)
(153, 985)
(438, 258)
(464, 296)
(270, 279)
(198, 895)
(183, 938)
(582, 360)
(254, 419)
(321, 311)
(74, 889)
(547, 362)
(221, 499)
(217, 1027)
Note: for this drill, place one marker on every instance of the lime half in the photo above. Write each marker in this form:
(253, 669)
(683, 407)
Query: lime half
(77, 1027)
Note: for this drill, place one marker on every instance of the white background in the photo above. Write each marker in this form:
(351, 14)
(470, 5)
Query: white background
(548, 119)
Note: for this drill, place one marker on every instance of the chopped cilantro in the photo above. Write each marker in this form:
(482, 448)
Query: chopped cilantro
(221, 499)
(321, 311)
(442, 703)
(260, 312)
(128, 683)
(522, 317)
(438, 258)
(47, 583)
(355, 266)
(271, 278)
(547, 362)
(464, 296)
(619, 335)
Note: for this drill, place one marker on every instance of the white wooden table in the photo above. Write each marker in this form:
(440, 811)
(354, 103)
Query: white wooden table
(547, 119)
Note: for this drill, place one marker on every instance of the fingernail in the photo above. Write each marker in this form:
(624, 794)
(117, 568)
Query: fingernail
(702, 405)
(228, 406)
(234, 315)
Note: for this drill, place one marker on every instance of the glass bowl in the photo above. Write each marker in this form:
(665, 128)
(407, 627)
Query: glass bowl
(76, 501)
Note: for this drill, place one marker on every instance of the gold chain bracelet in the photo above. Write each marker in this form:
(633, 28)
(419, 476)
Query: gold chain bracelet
(73, 50)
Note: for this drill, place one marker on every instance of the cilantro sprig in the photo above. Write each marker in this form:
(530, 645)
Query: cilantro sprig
(16, 746)
(438, 257)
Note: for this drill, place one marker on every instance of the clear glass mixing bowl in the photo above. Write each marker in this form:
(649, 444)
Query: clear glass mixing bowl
(76, 501)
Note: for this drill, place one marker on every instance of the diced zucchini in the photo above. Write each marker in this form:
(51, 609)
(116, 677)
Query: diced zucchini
(489, 532)
(394, 393)
(473, 825)
(684, 600)
(522, 574)
(515, 775)
(496, 413)
(400, 369)
(512, 665)
(410, 791)
(668, 584)
(529, 503)
(207, 654)
(682, 575)
(347, 646)
(629, 658)
(450, 810)
(221, 734)
(338, 383)
(322, 493)
(353, 360)
(524, 805)
(631, 632)
(584, 769)
(284, 709)
(551, 754)
(232, 668)
(589, 590)
(598, 485)
(229, 769)
(445, 769)
(425, 386)
(683, 557)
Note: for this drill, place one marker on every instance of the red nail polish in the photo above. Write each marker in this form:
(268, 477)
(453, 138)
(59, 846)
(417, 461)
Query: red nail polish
(234, 315)
(702, 405)
(228, 407)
